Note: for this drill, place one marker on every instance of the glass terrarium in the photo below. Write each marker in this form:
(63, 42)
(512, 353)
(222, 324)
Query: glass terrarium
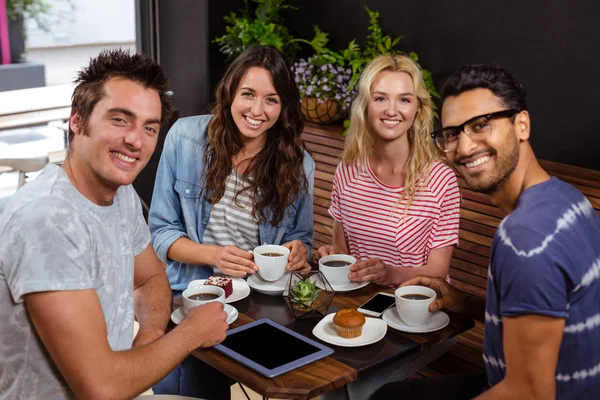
(308, 294)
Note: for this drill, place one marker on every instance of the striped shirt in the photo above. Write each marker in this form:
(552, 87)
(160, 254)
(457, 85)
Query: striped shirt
(545, 260)
(376, 225)
(231, 221)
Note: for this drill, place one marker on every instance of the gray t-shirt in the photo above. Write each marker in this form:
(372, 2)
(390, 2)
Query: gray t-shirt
(53, 238)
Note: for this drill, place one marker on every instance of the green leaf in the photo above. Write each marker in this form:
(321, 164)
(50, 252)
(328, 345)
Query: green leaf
(265, 27)
(319, 42)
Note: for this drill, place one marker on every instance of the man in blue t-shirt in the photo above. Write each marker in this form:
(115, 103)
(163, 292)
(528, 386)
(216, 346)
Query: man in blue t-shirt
(542, 309)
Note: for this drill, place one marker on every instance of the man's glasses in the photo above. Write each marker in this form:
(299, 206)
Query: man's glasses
(478, 128)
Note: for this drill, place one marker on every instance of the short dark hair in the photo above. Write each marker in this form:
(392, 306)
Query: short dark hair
(122, 64)
(498, 80)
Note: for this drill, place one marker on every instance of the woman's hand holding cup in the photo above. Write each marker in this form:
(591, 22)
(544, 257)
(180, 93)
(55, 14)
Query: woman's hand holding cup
(234, 261)
(328, 250)
(371, 270)
(297, 257)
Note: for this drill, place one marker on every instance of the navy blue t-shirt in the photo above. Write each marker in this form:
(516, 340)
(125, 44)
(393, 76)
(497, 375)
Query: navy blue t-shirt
(545, 260)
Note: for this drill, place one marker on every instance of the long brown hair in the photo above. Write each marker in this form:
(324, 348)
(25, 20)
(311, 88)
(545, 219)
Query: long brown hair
(276, 174)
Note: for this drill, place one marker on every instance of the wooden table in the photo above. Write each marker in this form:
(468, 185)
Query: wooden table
(329, 373)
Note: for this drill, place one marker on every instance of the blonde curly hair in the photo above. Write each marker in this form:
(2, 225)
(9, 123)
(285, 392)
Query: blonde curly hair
(359, 140)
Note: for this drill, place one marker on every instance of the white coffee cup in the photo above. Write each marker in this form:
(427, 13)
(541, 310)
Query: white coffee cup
(271, 268)
(336, 276)
(414, 312)
(189, 302)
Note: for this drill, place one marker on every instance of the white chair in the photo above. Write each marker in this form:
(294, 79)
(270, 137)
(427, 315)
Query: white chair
(23, 166)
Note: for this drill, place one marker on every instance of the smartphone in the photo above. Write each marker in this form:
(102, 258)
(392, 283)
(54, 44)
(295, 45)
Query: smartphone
(378, 304)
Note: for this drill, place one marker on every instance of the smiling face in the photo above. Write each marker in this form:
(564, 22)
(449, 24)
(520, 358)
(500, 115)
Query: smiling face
(392, 105)
(119, 137)
(485, 164)
(256, 105)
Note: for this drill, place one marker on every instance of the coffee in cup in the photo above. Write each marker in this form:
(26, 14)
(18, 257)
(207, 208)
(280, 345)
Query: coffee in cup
(412, 304)
(336, 268)
(202, 294)
(271, 261)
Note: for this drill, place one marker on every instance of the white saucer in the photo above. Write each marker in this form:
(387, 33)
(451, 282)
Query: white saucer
(343, 288)
(241, 290)
(373, 331)
(274, 288)
(437, 321)
(178, 315)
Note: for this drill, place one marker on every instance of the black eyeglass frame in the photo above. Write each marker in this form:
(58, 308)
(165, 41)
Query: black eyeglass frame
(461, 128)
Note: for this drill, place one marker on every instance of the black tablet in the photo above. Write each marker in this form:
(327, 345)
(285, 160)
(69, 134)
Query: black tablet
(270, 348)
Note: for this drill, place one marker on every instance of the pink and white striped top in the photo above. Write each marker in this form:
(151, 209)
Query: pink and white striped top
(375, 229)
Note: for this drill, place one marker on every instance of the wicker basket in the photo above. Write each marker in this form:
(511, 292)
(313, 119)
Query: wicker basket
(326, 112)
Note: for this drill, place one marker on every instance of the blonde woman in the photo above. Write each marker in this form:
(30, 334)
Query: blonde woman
(395, 204)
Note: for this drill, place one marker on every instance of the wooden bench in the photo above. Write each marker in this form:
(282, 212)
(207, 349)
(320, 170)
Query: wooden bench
(479, 219)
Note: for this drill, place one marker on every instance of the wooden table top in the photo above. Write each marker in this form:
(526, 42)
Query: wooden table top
(329, 373)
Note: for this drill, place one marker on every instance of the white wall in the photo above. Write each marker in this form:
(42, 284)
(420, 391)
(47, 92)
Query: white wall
(87, 22)
(77, 33)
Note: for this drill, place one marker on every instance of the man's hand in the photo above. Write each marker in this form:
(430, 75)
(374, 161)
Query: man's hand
(447, 296)
(371, 270)
(234, 261)
(152, 297)
(297, 257)
(328, 250)
(145, 336)
(210, 323)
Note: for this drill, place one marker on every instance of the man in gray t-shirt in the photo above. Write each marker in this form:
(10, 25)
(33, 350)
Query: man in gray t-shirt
(75, 259)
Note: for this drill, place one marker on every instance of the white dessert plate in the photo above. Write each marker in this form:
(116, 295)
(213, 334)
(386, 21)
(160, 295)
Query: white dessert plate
(437, 321)
(241, 290)
(179, 314)
(373, 331)
(274, 288)
(343, 288)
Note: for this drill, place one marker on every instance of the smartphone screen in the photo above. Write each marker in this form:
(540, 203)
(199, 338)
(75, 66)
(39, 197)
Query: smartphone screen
(379, 303)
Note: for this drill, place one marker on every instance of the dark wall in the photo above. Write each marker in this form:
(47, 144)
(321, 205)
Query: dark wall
(184, 46)
(180, 42)
(553, 47)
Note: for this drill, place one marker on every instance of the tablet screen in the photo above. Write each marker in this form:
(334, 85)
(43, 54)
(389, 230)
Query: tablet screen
(268, 345)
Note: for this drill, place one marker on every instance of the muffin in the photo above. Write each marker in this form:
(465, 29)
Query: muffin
(348, 323)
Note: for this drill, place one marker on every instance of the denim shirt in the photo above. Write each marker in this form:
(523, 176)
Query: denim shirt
(179, 208)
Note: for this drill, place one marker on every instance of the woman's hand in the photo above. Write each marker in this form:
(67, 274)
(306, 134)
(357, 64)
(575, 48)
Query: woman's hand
(371, 270)
(297, 257)
(328, 250)
(234, 261)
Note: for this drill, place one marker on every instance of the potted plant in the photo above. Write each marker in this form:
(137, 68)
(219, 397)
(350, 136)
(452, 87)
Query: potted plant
(308, 294)
(314, 75)
(264, 26)
(324, 89)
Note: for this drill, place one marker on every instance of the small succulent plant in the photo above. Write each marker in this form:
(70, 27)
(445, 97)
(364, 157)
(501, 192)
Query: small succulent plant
(304, 292)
